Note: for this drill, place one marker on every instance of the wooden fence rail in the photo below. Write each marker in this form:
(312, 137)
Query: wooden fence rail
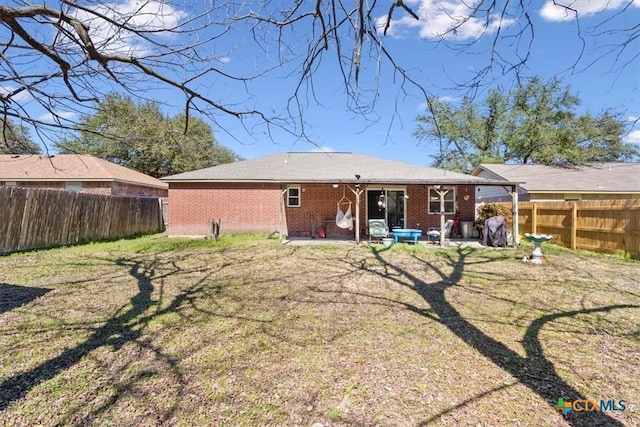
(33, 218)
(598, 225)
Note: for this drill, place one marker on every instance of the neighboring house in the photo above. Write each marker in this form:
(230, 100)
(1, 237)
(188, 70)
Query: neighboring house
(545, 183)
(298, 193)
(77, 172)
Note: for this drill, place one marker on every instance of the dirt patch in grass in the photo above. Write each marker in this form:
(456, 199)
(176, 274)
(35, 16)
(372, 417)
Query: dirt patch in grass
(248, 332)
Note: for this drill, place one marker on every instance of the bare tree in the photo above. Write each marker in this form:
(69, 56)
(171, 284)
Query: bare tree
(500, 35)
(62, 60)
(59, 59)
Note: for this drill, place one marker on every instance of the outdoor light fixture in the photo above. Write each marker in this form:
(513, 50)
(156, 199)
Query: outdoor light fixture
(335, 185)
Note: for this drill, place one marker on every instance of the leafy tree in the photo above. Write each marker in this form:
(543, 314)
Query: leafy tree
(15, 139)
(534, 123)
(140, 137)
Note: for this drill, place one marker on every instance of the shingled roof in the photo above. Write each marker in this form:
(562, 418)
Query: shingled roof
(600, 178)
(70, 167)
(326, 168)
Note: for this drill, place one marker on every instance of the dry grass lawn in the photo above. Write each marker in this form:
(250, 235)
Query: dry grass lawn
(244, 331)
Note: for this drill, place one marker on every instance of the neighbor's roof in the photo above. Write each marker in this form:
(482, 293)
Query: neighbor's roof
(325, 168)
(69, 167)
(595, 178)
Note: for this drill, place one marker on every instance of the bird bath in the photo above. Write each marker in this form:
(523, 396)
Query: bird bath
(537, 239)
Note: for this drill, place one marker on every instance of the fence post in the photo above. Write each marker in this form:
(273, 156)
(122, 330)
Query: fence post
(24, 239)
(574, 224)
(534, 220)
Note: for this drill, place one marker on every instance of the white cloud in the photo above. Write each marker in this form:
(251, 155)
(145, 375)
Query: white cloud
(633, 137)
(146, 16)
(323, 149)
(424, 106)
(447, 98)
(566, 10)
(632, 119)
(438, 18)
(61, 115)
(224, 59)
(20, 96)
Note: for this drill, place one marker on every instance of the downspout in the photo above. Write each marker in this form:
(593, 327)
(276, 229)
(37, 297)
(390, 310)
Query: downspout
(281, 214)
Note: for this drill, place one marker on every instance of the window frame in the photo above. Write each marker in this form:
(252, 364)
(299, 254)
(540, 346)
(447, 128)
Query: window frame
(73, 186)
(297, 197)
(452, 202)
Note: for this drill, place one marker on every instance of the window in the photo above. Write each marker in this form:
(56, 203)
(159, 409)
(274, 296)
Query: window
(73, 186)
(449, 201)
(293, 197)
(10, 183)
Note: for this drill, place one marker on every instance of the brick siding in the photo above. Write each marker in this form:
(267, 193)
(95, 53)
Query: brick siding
(240, 208)
(247, 207)
(132, 190)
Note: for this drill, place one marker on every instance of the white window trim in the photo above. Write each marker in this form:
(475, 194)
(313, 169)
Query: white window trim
(452, 190)
(295, 187)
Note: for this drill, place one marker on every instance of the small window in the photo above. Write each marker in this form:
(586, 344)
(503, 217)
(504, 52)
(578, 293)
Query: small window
(73, 186)
(10, 183)
(449, 201)
(293, 197)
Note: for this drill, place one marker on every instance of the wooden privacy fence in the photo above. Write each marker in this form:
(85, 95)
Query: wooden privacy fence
(33, 218)
(598, 225)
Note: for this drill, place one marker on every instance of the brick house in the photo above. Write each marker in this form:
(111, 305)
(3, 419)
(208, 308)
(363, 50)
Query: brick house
(298, 193)
(77, 172)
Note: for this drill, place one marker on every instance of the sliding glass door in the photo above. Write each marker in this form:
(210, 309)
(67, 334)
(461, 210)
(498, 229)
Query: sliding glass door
(389, 205)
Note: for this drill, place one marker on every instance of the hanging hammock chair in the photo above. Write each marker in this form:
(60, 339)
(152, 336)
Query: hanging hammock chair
(344, 219)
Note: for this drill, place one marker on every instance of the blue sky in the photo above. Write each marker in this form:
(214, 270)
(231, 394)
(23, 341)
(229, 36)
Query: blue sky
(387, 131)
(554, 52)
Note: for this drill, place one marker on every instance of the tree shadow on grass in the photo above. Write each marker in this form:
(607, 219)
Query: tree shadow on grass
(118, 330)
(534, 370)
(13, 296)
(127, 325)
